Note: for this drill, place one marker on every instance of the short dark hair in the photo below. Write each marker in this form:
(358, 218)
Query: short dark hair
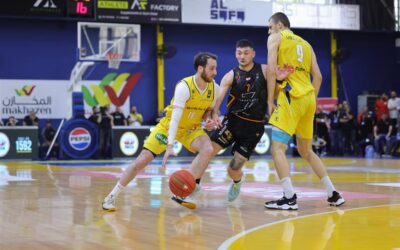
(242, 43)
(280, 17)
(200, 59)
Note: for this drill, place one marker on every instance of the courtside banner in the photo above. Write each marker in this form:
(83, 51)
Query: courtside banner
(232, 12)
(45, 97)
(139, 11)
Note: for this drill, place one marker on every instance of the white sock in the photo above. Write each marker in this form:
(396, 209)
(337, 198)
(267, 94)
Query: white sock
(117, 189)
(328, 185)
(288, 190)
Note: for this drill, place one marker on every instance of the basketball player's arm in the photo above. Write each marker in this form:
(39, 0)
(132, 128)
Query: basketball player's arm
(210, 124)
(225, 85)
(181, 95)
(315, 73)
(272, 44)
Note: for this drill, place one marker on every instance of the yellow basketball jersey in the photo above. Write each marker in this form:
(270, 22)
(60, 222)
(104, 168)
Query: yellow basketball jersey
(295, 51)
(195, 107)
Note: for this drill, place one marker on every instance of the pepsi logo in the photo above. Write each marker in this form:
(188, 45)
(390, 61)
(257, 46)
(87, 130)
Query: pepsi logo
(79, 139)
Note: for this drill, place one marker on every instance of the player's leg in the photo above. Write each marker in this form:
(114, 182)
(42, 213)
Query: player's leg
(247, 136)
(154, 145)
(198, 141)
(284, 122)
(304, 134)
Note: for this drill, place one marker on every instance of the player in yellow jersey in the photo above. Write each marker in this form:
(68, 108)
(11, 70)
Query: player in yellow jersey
(193, 101)
(295, 109)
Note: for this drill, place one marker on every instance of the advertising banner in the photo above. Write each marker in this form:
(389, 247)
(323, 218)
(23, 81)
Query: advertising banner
(113, 90)
(257, 13)
(128, 142)
(327, 103)
(233, 12)
(18, 143)
(139, 11)
(45, 97)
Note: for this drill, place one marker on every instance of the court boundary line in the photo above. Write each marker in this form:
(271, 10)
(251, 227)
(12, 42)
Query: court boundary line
(227, 243)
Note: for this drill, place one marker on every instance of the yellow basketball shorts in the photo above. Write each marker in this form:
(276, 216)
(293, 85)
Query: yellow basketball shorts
(157, 141)
(295, 115)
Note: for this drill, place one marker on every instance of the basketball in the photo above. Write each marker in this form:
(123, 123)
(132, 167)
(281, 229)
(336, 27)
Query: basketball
(182, 183)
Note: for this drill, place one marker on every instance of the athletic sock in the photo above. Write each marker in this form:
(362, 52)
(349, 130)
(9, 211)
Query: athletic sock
(116, 190)
(328, 185)
(288, 190)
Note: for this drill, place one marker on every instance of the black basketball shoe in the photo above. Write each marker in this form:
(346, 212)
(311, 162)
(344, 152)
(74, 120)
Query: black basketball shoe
(336, 199)
(283, 203)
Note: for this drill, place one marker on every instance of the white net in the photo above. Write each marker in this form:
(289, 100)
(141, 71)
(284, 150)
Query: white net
(114, 60)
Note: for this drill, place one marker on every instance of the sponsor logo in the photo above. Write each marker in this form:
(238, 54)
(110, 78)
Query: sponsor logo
(23, 145)
(44, 4)
(4, 144)
(220, 12)
(107, 91)
(79, 139)
(25, 90)
(118, 5)
(263, 145)
(129, 143)
(139, 4)
(162, 139)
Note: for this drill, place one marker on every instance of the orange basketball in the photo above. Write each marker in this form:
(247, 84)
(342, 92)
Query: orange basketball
(182, 183)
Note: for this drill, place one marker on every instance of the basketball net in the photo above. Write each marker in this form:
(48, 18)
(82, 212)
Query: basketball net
(114, 60)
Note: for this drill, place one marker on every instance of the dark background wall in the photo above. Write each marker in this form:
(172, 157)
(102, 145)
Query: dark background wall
(43, 49)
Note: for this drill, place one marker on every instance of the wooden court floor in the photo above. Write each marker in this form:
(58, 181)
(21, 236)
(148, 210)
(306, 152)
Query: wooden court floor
(57, 205)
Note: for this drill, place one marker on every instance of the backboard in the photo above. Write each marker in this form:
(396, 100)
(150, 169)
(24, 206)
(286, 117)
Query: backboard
(102, 41)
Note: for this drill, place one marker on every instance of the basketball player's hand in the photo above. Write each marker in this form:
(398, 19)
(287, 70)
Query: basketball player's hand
(271, 108)
(169, 151)
(218, 122)
(283, 72)
(210, 124)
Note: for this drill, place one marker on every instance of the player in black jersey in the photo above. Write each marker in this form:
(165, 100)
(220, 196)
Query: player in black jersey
(247, 105)
(244, 122)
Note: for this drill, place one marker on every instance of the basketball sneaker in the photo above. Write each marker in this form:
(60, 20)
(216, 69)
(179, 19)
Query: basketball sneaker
(185, 202)
(336, 199)
(283, 203)
(109, 203)
(234, 191)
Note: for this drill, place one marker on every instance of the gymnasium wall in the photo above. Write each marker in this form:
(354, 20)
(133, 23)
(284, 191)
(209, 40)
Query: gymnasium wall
(44, 49)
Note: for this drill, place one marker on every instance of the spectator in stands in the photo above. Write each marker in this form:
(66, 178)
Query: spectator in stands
(135, 119)
(393, 106)
(381, 106)
(335, 133)
(346, 120)
(119, 117)
(318, 145)
(321, 124)
(382, 133)
(48, 134)
(95, 117)
(31, 119)
(365, 127)
(105, 126)
(1, 122)
(12, 121)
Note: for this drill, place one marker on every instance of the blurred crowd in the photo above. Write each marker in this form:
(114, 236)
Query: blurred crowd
(374, 131)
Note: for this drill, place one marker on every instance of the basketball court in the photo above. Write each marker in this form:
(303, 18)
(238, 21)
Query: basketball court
(57, 205)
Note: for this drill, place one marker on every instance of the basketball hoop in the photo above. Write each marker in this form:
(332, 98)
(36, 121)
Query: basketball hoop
(114, 60)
